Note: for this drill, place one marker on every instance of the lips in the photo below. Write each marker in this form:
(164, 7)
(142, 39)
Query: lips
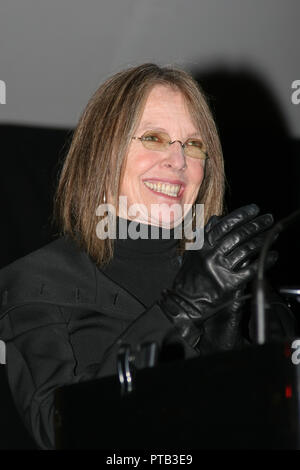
(172, 189)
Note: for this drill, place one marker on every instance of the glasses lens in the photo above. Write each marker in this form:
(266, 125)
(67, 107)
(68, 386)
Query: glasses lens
(154, 140)
(195, 148)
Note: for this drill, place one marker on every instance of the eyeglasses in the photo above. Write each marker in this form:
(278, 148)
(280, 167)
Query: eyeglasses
(160, 141)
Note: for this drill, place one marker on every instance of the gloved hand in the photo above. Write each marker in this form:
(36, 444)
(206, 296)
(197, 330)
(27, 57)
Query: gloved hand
(214, 275)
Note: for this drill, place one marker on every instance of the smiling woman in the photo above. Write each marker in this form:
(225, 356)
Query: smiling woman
(163, 170)
(146, 135)
(107, 159)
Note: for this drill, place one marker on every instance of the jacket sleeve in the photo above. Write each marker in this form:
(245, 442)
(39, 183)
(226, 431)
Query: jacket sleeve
(40, 359)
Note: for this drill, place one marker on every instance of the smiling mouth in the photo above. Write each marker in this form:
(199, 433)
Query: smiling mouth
(168, 189)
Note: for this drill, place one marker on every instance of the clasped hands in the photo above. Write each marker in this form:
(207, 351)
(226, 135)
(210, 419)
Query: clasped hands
(215, 275)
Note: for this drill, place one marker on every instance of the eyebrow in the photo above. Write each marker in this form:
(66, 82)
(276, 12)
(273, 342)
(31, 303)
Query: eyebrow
(151, 126)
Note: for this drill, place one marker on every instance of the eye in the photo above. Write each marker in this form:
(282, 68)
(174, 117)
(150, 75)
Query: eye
(152, 137)
(195, 143)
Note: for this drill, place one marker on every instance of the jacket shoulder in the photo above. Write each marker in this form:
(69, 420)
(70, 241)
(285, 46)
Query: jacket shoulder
(59, 273)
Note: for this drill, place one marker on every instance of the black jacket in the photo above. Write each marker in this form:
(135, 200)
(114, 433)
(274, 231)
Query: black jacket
(60, 315)
(63, 321)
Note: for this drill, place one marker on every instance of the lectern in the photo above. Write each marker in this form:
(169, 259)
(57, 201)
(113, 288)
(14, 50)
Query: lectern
(247, 399)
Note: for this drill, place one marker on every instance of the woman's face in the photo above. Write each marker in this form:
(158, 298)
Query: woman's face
(165, 110)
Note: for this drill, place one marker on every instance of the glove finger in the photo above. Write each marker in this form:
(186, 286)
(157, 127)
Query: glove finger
(243, 255)
(236, 305)
(246, 232)
(211, 222)
(246, 252)
(233, 220)
(250, 271)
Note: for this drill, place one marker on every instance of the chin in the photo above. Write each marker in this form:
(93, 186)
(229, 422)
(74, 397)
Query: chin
(166, 221)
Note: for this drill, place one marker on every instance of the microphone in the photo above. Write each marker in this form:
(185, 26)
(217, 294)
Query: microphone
(259, 285)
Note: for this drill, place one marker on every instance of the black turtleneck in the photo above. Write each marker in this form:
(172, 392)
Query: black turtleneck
(144, 267)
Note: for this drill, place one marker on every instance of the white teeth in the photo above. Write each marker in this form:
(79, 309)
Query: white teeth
(169, 189)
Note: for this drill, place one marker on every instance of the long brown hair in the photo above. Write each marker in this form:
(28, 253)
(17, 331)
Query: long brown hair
(98, 149)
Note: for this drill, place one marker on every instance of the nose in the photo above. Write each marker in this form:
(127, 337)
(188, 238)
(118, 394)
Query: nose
(175, 155)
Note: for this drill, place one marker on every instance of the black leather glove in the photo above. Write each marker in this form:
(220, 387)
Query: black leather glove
(214, 275)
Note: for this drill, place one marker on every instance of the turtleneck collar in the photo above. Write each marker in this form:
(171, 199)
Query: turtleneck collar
(164, 244)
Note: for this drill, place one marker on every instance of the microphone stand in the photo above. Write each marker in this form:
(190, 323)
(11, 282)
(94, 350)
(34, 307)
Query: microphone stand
(259, 286)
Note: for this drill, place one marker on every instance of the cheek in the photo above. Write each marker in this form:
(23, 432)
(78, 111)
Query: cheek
(139, 164)
(136, 167)
(196, 173)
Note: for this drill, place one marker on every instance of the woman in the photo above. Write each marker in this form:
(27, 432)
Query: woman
(148, 136)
